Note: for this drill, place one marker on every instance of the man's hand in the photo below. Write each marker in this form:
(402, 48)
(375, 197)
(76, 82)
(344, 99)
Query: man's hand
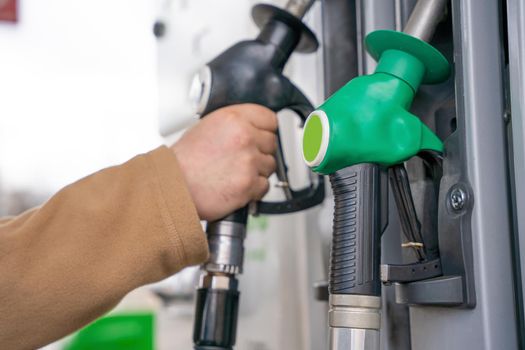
(227, 158)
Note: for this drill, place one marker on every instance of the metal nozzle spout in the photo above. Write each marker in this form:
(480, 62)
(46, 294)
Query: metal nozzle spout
(298, 8)
(425, 18)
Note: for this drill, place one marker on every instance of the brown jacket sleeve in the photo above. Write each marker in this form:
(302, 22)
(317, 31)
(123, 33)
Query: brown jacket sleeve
(73, 259)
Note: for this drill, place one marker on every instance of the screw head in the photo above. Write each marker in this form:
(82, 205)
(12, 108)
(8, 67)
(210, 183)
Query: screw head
(457, 198)
(507, 116)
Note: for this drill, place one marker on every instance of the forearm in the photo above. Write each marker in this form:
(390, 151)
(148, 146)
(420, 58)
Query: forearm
(71, 260)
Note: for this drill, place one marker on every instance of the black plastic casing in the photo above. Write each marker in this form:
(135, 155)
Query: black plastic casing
(251, 71)
(215, 319)
(360, 217)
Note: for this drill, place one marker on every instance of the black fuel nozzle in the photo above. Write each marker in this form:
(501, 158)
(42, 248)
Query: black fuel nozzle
(249, 72)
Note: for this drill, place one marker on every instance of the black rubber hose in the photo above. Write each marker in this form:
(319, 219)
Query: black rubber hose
(357, 227)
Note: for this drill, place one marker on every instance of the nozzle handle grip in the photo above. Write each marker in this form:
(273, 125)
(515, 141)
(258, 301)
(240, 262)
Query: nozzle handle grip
(358, 224)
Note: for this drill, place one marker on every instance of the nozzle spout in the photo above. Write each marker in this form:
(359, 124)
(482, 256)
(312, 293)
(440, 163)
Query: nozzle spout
(425, 18)
(299, 7)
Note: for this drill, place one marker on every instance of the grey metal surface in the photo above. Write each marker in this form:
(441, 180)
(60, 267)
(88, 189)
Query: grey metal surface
(516, 38)
(298, 8)
(372, 15)
(445, 291)
(339, 44)
(455, 216)
(354, 311)
(424, 18)
(491, 325)
(353, 339)
(218, 282)
(403, 11)
(226, 243)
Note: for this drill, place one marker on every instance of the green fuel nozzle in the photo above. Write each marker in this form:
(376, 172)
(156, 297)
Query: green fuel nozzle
(364, 128)
(367, 120)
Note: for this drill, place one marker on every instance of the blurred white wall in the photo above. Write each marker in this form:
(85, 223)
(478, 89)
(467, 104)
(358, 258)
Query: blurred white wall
(78, 89)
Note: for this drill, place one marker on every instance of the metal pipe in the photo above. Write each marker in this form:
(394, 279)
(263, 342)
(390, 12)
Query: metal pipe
(425, 18)
(298, 8)
(354, 338)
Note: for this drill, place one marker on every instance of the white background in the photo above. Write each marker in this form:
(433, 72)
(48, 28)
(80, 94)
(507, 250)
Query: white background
(77, 90)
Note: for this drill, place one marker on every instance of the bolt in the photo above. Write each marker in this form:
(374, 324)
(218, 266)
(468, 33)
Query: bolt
(457, 198)
(507, 116)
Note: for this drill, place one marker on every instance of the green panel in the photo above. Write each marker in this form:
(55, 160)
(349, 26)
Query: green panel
(129, 331)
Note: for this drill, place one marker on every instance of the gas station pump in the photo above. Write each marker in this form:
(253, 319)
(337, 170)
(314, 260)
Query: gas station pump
(451, 282)
(423, 152)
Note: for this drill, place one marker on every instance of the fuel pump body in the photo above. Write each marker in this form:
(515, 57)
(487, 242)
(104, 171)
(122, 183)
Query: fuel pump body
(448, 110)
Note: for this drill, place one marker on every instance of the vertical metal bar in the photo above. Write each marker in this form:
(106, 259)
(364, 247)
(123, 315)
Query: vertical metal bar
(424, 18)
(516, 69)
(298, 8)
(339, 43)
(372, 15)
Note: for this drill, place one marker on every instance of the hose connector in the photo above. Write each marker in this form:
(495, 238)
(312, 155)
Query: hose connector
(354, 321)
